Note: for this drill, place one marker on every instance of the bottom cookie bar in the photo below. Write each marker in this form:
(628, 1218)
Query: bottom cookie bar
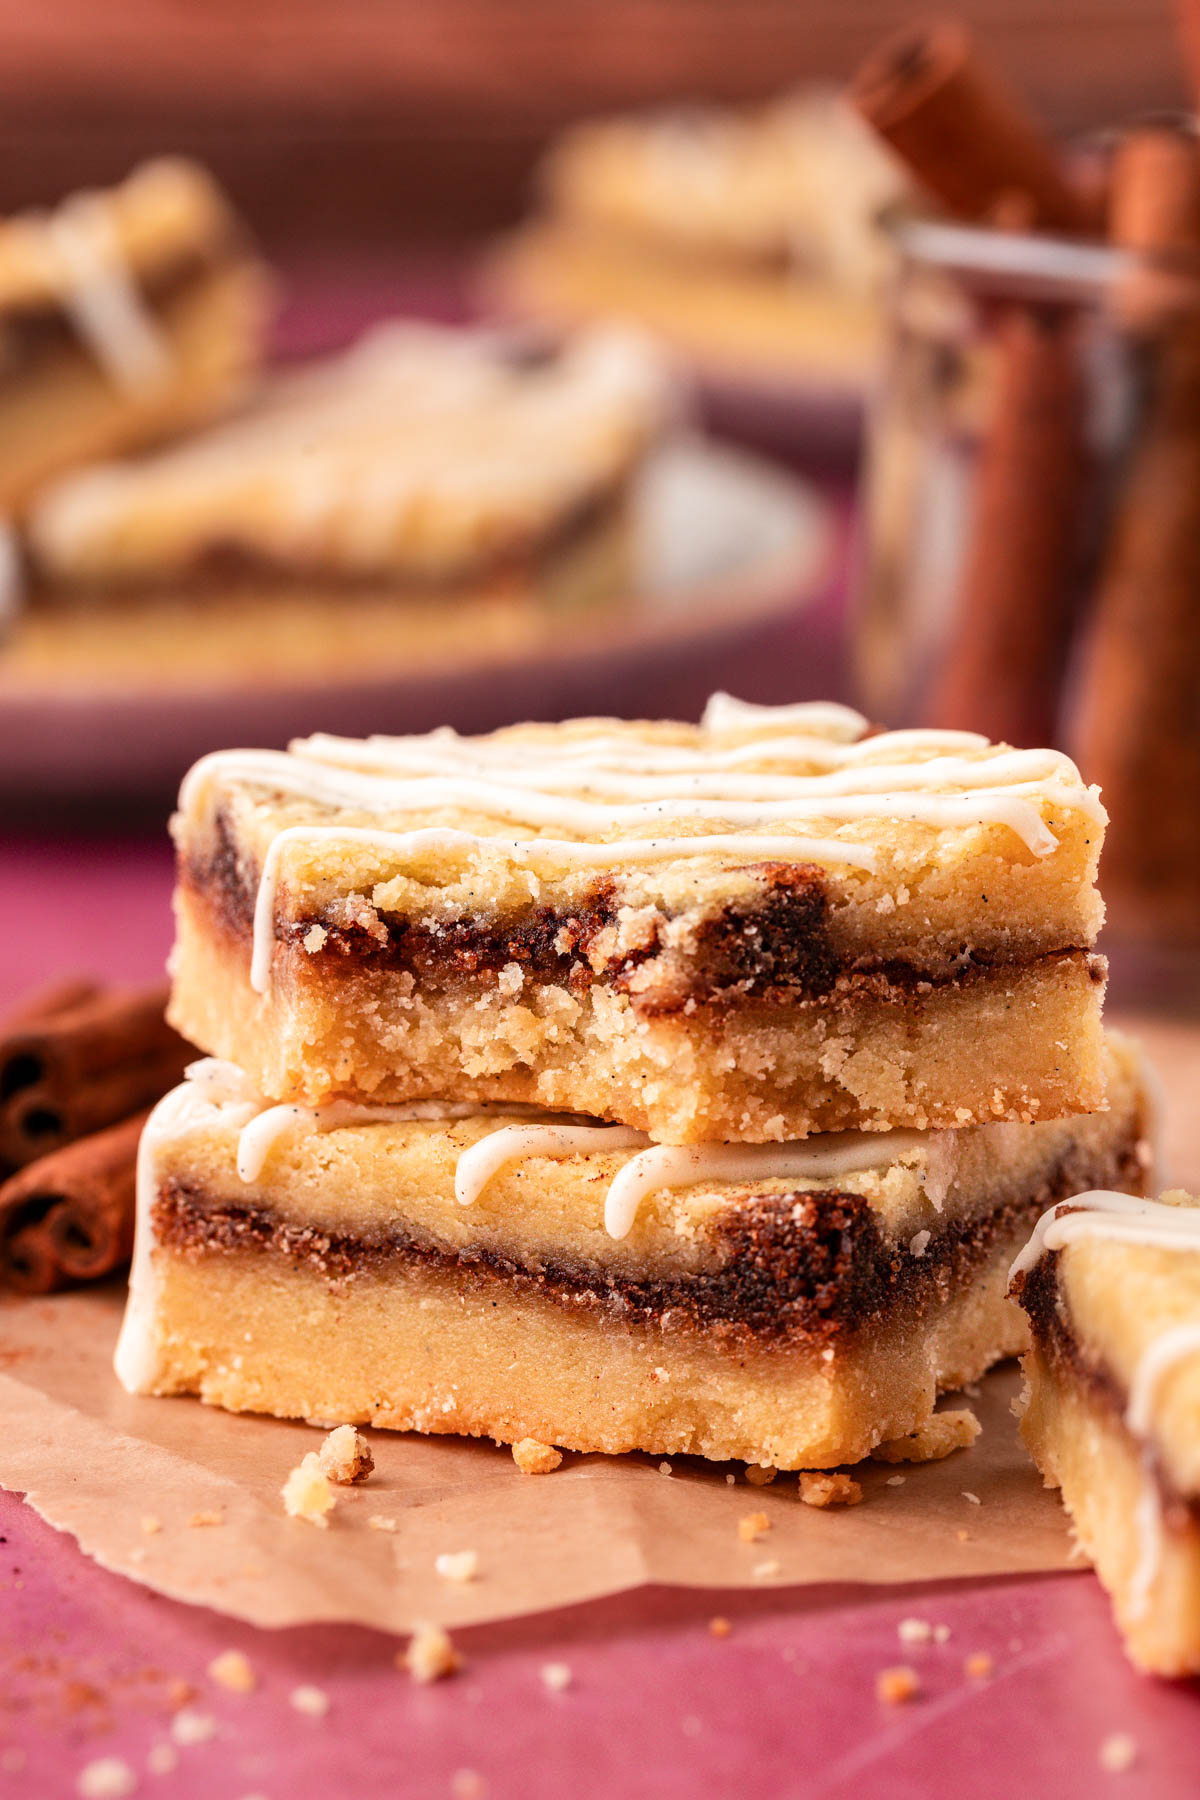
(1112, 1289)
(791, 1305)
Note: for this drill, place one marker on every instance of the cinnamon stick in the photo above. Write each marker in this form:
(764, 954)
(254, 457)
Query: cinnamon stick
(1137, 720)
(78, 1057)
(965, 137)
(1187, 13)
(1002, 666)
(68, 1217)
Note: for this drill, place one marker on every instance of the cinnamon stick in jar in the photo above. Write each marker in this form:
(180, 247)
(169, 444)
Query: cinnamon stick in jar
(78, 1057)
(1002, 667)
(963, 135)
(1136, 726)
(68, 1217)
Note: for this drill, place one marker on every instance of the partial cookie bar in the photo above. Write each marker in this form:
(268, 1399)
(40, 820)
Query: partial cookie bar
(125, 316)
(769, 925)
(749, 240)
(1112, 1289)
(789, 1305)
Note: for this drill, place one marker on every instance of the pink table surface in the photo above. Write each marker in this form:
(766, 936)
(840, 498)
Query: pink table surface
(784, 1706)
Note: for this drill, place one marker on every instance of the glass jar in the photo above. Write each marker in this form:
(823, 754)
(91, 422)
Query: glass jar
(955, 292)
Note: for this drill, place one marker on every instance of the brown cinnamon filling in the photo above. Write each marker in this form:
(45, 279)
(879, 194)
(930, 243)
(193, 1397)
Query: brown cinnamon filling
(793, 1268)
(776, 948)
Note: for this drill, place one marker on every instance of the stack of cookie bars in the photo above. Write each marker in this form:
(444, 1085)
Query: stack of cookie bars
(624, 1086)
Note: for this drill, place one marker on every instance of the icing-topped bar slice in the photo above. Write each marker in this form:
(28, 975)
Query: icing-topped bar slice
(770, 924)
(446, 1269)
(1112, 1289)
(423, 456)
(125, 315)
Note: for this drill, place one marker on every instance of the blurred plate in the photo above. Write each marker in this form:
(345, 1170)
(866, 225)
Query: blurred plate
(727, 550)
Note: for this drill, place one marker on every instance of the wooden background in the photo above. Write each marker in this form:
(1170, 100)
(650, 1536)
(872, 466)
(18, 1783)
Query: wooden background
(355, 120)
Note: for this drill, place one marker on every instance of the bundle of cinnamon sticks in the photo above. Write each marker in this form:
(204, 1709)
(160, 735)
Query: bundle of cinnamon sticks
(80, 1064)
(1134, 721)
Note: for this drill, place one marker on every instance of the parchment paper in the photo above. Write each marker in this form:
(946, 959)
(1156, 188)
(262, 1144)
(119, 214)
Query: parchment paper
(95, 1462)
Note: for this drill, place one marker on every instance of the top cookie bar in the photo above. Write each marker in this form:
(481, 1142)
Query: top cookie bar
(770, 924)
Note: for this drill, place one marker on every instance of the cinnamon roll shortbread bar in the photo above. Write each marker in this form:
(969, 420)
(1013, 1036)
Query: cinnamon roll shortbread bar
(1111, 1285)
(750, 241)
(768, 925)
(499, 1273)
(125, 315)
(423, 463)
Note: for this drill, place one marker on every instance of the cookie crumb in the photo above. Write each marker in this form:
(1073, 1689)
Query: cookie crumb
(307, 1493)
(212, 1516)
(189, 1727)
(978, 1665)
(763, 1571)
(964, 1537)
(533, 1457)
(345, 1456)
(752, 1526)
(314, 939)
(664, 1468)
(760, 1474)
(179, 1692)
(897, 1686)
(379, 1522)
(973, 1498)
(108, 1778)
(1118, 1753)
(914, 1631)
(730, 1480)
(820, 1487)
(150, 1524)
(467, 1784)
(939, 1436)
(430, 1655)
(457, 1565)
(895, 1481)
(557, 1676)
(719, 1628)
(313, 1702)
(232, 1670)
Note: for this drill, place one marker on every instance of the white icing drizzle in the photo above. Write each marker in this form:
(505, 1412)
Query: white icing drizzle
(1128, 1219)
(556, 1135)
(101, 296)
(685, 1165)
(515, 1143)
(725, 713)
(590, 787)
(279, 1124)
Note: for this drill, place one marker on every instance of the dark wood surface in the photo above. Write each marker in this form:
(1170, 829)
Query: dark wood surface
(350, 119)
